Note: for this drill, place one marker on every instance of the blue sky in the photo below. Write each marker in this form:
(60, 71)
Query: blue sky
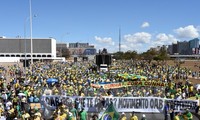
(143, 23)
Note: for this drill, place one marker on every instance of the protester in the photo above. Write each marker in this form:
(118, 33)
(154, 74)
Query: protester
(166, 111)
(95, 117)
(171, 111)
(133, 116)
(20, 88)
(144, 117)
(188, 115)
(123, 116)
(83, 114)
(177, 116)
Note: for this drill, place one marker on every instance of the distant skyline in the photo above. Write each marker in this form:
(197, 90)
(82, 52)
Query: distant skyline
(143, 23)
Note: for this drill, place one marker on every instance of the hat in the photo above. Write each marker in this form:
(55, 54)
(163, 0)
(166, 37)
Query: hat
(37, 114)
(70, 114)
(144, 115)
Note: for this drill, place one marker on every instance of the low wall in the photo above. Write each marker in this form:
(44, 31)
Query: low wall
(9, 59)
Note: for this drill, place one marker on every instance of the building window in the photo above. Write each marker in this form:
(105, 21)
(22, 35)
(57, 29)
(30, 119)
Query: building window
(38, 55)
(44, 56)
(34, 55)
(48, 55)
(17, 55)
(7, 55)
(1, 55)
(12, 55)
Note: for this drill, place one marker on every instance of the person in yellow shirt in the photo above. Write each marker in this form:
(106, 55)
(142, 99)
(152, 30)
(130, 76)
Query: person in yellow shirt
(191, 88)
(133, 117)
(25, 116)
(63, 115)
(1, 109)
(177, 116)
(37, 116)
(123, 116)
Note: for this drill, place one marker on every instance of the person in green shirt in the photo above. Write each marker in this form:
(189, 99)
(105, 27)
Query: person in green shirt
(188, 115)
(83, 114)
(74, 111)
(71, 117)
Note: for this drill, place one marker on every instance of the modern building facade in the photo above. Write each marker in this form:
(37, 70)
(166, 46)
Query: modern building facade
(170, 49)
(185, 48)
(17, 49)
(82, 51)
(60, 49)
(194, 46)
(78, 45)
(174, 48)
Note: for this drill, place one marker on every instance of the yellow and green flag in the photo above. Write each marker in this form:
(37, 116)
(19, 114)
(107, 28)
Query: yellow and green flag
(110, 113)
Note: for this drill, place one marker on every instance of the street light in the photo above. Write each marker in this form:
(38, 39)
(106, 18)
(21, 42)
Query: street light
(31, 32)
(25, 63)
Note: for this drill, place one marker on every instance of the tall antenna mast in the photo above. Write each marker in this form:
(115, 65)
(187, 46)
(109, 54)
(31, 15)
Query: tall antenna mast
(119, 39)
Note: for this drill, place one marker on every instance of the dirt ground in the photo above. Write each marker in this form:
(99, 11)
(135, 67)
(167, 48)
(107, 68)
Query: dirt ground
(194, 65)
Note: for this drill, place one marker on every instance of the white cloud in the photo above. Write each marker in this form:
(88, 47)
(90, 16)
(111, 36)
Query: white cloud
(124, 47)
(163, 39)
(140, 37)
(105, 40)
(145, 24)
(187, 32)
(198, 28)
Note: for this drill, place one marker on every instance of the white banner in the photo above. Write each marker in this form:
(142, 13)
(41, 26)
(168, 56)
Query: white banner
(122, 104)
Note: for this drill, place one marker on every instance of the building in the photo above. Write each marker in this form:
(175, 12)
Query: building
(183, 48)
(194, 46)
(17, 49)
(82, 51)
(78, 45)
(60, 49)
(174, 48)
(170, 49)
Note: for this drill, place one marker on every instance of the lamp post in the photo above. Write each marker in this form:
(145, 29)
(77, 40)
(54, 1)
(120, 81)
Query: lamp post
(25, 44)
(31, 32)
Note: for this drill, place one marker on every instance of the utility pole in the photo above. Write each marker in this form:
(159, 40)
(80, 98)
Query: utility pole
(31, 32)
(119, 39)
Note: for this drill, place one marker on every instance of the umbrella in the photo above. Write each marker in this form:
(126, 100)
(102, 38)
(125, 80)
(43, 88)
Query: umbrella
(21, 94)
(52, 80)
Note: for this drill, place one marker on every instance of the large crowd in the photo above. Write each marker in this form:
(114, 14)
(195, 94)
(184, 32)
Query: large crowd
(20, 87)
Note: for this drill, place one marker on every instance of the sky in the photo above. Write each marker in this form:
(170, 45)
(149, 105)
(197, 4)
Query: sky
(143, 23)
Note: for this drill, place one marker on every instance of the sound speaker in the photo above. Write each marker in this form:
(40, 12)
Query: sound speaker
(75, 59)
(26, 63)
(103, 59)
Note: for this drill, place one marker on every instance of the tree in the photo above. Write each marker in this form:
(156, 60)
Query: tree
(118, 55)
(125, 56)
(149, 55)
(162, 54)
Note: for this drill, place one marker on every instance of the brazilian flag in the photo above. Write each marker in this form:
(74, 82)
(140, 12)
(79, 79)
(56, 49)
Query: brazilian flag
(110, 113)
